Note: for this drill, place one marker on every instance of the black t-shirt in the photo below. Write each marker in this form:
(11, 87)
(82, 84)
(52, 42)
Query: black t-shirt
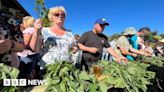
(90, 39)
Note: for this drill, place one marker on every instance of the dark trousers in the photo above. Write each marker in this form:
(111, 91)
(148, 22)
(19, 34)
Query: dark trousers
(87, 64)
(31, 69)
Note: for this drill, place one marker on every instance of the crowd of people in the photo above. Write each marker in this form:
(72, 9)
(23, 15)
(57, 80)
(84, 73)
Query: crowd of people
(37, 46)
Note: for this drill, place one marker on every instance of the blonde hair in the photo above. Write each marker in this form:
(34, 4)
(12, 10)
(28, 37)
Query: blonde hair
(28, 20)
(54, 10)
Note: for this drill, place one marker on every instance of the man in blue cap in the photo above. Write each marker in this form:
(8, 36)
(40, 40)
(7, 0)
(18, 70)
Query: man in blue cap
(92, 43)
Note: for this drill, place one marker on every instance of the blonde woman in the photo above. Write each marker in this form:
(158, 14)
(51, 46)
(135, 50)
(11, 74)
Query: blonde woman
(28, 58)
(58, 41)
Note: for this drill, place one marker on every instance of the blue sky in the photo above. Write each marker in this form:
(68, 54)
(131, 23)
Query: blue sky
(81, 14)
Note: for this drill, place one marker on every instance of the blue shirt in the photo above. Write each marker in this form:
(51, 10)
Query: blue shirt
(133, 41)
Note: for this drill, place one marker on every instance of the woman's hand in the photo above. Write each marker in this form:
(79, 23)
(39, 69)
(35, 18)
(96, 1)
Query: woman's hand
(147, 54)
(122, 59)
(38, 24)
(93, 49)
(134, 55)
(36, 40)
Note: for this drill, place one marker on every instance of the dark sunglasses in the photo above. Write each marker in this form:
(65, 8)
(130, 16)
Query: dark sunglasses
(59, 15)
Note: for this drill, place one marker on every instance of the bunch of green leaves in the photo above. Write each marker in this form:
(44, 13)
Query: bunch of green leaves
(134, 77)
(42, 12)
(40, 8)
(64, 77)
(7, 72)
(158, 61)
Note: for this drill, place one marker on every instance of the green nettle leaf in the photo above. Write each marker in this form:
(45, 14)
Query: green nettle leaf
(84, 76)
(144, 81)
(92, 88)
(63, 71)
(72, 86)
(54, 89)
(144, 88)
(4, 75)
(120, 84)
(131, 70)
(54, 67)
(7, 72)
(111, 80)
(81, 87)
(55, 80)
(62, 86)
(103, 87)
(14, 72)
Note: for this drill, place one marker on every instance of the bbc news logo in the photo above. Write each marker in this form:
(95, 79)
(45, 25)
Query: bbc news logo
(23, 82)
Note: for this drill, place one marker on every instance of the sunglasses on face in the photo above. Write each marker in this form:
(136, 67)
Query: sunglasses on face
(59, 15)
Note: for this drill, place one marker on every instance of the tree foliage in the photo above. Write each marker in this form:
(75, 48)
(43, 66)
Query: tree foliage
(162, 35)
(113, 37)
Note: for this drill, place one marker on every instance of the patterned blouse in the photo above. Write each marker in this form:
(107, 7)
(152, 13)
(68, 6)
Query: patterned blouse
(123, 42)
(57, 48)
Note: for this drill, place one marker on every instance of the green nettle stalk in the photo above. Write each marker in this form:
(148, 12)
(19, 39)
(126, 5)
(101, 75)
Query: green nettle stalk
(42, 11)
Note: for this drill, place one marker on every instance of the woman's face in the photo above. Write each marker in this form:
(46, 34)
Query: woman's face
(24, 25)
(58, 17)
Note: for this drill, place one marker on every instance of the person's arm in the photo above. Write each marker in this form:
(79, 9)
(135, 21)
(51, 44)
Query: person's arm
(83, 39)
(159, 49)
(124, 52)
(119, 58)
(17, 47)
(112, 52)
(36, 41)
(7, 45)
(27, 38)
(136, 51)
(88, 49)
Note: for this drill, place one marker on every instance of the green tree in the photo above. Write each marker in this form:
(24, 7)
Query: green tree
(114, 36)
(162, 35)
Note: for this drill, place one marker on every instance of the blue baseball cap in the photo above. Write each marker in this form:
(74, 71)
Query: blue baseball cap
(102, 21)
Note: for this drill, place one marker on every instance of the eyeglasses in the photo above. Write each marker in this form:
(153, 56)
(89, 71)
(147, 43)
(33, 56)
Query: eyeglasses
(59, 15)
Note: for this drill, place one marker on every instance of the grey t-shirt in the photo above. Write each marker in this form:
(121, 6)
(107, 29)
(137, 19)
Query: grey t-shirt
(90, 39)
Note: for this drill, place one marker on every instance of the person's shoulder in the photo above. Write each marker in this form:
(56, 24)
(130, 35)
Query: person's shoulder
(45, 30)
(69, 33)
(87, 33)
(122, 37)
(104, 36)
(29, 30)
